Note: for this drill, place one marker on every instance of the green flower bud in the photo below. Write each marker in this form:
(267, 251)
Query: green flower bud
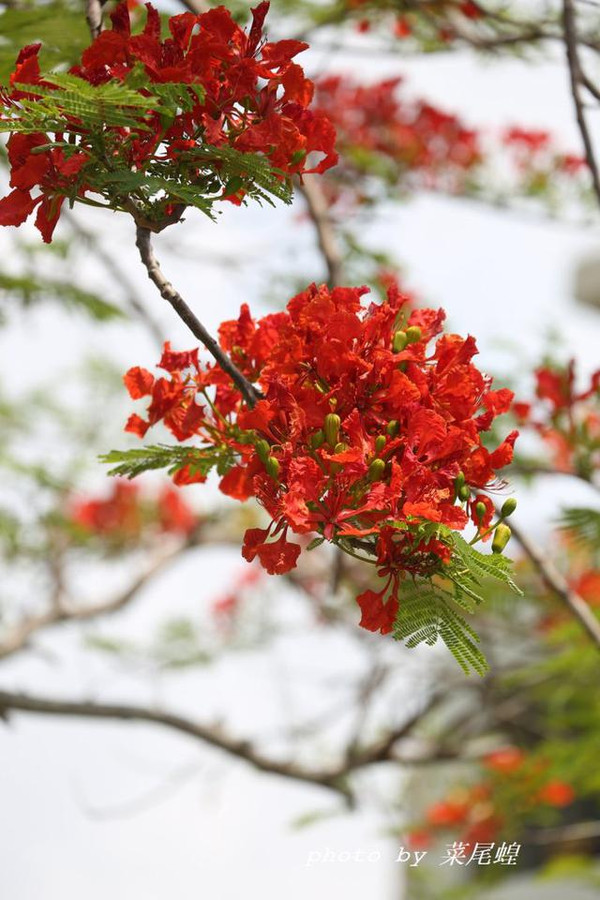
(459, 481)
(380, 442)
(508, 507)
(376, 470)
(317, 439)
(464, 493)
(332, 428)
(501, 538)
(263, 448)
(413, 334)
(480, 510)
(273, 468)
(393, 427)
(340, 447)
(399, 342)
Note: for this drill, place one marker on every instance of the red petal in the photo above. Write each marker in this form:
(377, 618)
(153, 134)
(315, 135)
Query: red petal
(377, 615)
(279, 556)
(137, 425)
(138, 382)
(15, 207)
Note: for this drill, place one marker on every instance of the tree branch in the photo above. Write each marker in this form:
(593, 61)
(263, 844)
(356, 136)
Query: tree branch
(334, 779)
(556, 582)
(93, 15)
(117, 274)
(18, 638)
(577, 79)
(168, 292)
(326, 236)
(213, 736)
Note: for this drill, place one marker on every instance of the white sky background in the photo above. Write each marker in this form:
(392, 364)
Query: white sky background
(225, 831)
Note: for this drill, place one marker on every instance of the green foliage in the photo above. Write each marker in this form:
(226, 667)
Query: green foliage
(84, 114)
(112, 105)
(131, 463)
(426, 613)
(583, 525)
(427, 608)
(59, 24)
(469, 567)
(29, 290)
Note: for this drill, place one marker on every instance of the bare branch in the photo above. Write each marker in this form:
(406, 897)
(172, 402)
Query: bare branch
(117, 273)
(326, 236)
(168, 292)
(18, 638)
(577, 79)
(211, 735)
(556, 582)
(93, 15)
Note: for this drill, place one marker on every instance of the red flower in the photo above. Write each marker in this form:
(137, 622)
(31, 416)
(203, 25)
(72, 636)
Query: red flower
(355, 440)
(244, 93)
(557, 793)
(509, 759)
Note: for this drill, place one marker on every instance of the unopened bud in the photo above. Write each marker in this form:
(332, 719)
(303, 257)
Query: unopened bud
(399, 342)
(393, 427)
(380, 442)
(332, 428)
(273, 468)
(263, 448)
(464, 493)
(501, 538)
(508, 507)
(413, 334)
(340, 447)
(459, 481)
(376, 470)
(480, 510)
(317, 439)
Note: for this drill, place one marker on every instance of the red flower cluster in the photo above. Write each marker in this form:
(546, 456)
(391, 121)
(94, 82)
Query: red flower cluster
(380, 131)
(240, 92)
(567, 420)
(366, 431)
(514, 789)
(410, 144)
(126, 514)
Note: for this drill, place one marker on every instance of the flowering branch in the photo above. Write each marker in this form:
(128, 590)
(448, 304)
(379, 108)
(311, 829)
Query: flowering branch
(168, 292)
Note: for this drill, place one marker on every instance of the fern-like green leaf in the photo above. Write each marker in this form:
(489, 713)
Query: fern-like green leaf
(483, 565)
(425, 615)
(583, 524)
(131, 463)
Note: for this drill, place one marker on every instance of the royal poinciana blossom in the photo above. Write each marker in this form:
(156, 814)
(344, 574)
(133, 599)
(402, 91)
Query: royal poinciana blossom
(384, 135)
(128, 514)
(156, 125)
(517, 791)
(368, 434)
(566, 418)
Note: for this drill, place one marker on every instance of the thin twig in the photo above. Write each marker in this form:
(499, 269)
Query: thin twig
(168, 292)
(576, 80)
(18, 638)
(118, 274)
(556, 582)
